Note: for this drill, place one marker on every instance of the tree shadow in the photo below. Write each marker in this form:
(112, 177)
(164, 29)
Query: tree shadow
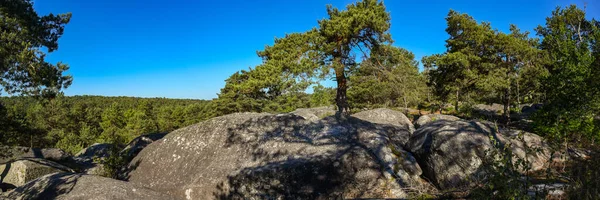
(49, 187)
(5, 186)
(333, 158)
(125, 172)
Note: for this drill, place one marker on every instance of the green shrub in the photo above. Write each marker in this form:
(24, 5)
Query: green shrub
(114, 163)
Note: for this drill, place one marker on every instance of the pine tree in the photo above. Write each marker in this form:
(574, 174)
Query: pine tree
(23, 68)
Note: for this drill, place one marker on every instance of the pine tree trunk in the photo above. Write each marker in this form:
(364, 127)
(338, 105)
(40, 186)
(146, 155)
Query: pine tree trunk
(507, 105)
(405, 104)
(518, 92)
(341, 101)
(457, 99)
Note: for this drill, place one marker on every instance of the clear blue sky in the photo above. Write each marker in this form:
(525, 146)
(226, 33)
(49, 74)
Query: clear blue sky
(186, 49)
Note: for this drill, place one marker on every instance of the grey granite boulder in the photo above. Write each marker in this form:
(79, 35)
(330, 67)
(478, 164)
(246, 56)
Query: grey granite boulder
(434, 117)
(386, 116)
(264, 156)
(451, 153)
(314, 114)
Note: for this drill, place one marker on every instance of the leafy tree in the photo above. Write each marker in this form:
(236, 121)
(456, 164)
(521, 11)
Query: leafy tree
(113, 124)
(322, 96)
(239, 95)
(573, 97)
(389, 77)
(512, 54)
(484, 63)
(299, 60)
(458, 70)
(363, 26)
(23, 67)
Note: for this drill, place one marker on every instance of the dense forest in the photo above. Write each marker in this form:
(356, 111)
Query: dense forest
(557, 66)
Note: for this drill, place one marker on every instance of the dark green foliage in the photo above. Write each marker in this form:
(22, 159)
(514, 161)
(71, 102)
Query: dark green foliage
(322, 96)
(23, 69)
(572, 87)
(388, 78)
(299, 60)
(483, 64)
(115, 162)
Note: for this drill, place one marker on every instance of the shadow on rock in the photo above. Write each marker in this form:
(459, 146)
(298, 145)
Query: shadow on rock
(252, 155)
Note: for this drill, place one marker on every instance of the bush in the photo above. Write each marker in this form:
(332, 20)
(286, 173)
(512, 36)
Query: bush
(585, 177)
(114, 163)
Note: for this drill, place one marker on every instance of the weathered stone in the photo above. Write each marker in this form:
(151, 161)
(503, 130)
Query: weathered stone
(451, 152)
(78, 186)
(386, 116)
(551, 191)
(493, 110)
(98, 150)
(17, 173)
(252, 155)
(527, 146)
(95, 169)
(434, 117)
(11, 153)
(314, 114)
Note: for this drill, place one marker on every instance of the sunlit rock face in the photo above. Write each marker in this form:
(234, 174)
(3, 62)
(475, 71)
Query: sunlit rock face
(258, 155)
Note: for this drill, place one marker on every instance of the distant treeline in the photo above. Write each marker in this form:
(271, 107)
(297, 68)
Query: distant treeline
(72, 123)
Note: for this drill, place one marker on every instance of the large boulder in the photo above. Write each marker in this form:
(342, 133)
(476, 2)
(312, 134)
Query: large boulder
(11, 153)
(78, 186)
(386, 116)
(452, 152)
(314, 114)
(434, 117)
(252, 155)
(17, 173)
(491, 111)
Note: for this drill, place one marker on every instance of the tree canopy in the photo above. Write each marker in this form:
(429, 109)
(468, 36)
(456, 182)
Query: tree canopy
(482, 63)
(572, 86)
(299, 60)
(23, 68)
